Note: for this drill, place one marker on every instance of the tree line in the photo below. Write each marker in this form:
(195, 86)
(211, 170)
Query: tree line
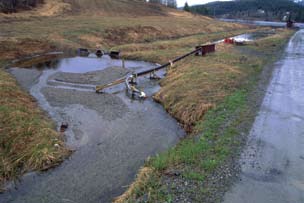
(252, 9)
(10, 6)
(169, 3)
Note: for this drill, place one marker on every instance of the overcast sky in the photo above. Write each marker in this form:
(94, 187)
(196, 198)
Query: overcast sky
(193, 2)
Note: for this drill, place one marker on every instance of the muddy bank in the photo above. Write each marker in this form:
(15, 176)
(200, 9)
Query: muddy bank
(112, 135)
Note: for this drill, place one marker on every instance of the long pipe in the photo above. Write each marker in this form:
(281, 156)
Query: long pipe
(167, 64)
(101, 87)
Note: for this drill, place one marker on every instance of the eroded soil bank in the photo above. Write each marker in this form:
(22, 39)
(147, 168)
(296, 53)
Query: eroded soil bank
(112, 135)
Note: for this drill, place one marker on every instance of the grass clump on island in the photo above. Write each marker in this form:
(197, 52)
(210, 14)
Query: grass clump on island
(211, 96)
(28, 139)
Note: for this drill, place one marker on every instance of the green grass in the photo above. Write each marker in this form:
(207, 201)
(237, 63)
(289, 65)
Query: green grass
(210, 144)
(194, 176)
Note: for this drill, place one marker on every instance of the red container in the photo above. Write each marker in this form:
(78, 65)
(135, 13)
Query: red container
(205, 49)
(229, 41)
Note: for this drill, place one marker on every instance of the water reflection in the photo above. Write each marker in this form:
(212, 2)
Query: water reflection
(79, 64)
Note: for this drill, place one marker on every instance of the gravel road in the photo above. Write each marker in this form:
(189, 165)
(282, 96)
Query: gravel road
(273, 160)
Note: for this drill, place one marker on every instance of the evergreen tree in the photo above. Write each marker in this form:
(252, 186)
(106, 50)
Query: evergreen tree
(186, 7)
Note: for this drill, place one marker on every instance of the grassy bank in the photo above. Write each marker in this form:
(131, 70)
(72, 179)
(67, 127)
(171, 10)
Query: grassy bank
(161, 51)
(212, 95)
(28, 139)
(196, 84)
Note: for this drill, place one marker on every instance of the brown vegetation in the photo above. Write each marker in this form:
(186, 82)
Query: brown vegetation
(28, 140)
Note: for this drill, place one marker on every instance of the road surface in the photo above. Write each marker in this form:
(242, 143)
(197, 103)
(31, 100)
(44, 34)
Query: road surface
(273, 160)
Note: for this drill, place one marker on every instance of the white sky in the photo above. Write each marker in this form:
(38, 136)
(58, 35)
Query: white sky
(193, 2)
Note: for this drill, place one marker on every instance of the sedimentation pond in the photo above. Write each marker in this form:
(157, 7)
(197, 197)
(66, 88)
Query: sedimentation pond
(112, 134)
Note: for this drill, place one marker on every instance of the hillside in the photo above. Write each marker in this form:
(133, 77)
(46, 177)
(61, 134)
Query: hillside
(117, 7)
(104, 23)
(77, 7)
(252, 9)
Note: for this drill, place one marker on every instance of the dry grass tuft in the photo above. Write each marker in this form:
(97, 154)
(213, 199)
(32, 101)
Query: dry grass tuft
(28, 140)
(143, 176)
(12, 48)
(197, 84)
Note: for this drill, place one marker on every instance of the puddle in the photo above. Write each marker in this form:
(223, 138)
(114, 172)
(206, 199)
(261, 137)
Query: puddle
(247, 37)
(253, 36)
(112, 134)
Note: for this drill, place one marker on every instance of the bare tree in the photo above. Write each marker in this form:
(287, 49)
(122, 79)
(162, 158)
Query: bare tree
(9, 6)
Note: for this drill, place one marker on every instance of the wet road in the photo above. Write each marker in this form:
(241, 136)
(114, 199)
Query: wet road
(273, 160)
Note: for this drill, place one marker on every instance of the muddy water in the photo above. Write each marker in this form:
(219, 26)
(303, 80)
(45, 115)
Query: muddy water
(112, 134)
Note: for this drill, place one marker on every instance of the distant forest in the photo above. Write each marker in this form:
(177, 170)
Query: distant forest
(9, 6)
(169, 3)
(253, 9)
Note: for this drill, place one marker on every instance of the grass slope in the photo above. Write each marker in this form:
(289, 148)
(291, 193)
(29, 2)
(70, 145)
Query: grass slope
(94, 31)
(117, 7)
(94, 7)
